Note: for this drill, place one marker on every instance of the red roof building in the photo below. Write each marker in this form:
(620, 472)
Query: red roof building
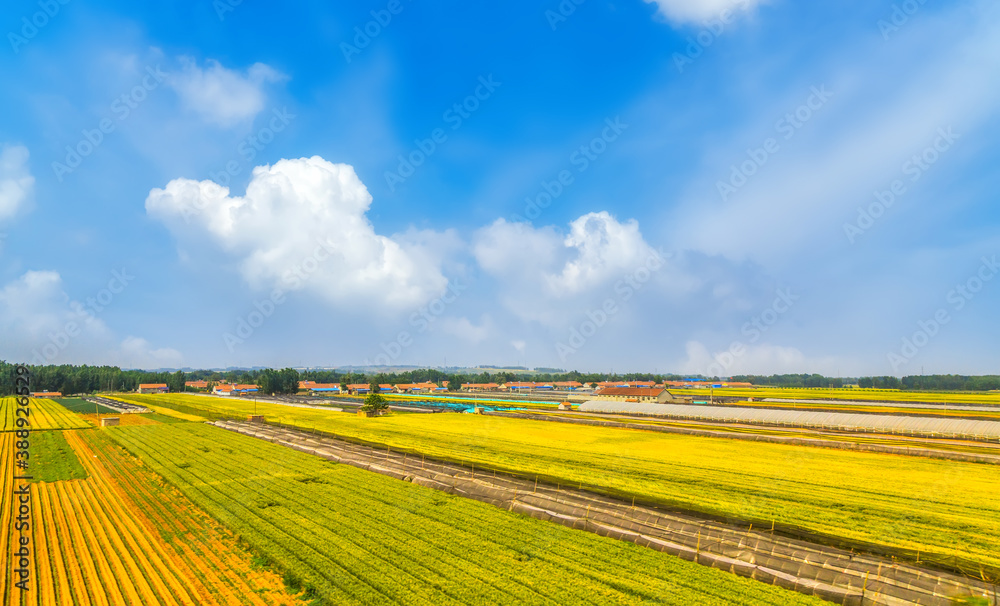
(480, 386)
(153, 388)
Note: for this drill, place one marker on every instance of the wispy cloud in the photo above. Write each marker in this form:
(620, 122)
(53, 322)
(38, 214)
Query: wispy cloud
(17, 185)
(220, 95)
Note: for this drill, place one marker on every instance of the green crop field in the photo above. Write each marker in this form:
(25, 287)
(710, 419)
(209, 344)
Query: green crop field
(82, 406)
(947, 511)
(356, 537)
(52, 459)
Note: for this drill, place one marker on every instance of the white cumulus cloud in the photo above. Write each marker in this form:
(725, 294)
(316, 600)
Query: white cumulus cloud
(596, 248)
(17, 186)
(220, 95)
(302, 226)
(698, 11)
(543, 270)
(604, 248)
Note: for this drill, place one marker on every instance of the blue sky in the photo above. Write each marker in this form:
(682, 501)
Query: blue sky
(715, 187)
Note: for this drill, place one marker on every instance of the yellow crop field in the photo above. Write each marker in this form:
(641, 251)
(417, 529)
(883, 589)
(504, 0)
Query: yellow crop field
(169, 412)
(947, 511)
(121, 537)
(45, 414)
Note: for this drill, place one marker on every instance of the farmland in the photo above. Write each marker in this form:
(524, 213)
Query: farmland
(148, 418)
(53, 459)
(945, 510)
(82, 406)
(979, 413)
(355, 537)
(45, 414)
(816, 437)
(121, 537)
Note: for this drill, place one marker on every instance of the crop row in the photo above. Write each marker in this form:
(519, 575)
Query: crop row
(94, 544)
(945, 510)
(355, 537)
(44, 414)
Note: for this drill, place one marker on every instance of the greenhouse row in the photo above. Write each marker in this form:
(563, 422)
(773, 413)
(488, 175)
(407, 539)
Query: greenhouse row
(894, 424)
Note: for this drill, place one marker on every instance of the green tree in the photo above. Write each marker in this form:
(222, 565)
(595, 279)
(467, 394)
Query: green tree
(176, 382)
(288, 380)
(376, 403)
(268, 382)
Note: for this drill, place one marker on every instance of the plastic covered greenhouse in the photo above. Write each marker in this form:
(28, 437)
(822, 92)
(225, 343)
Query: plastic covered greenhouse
(894, 424)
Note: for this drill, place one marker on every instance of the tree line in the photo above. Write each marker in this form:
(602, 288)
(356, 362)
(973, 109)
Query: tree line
(70, 379)
(911, 383)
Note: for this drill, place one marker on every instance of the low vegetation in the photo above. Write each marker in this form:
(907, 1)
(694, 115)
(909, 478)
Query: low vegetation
(120, 536)
(52, 459)
(945, 511)
(355, 537)
(83, 407)
(45, 414)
